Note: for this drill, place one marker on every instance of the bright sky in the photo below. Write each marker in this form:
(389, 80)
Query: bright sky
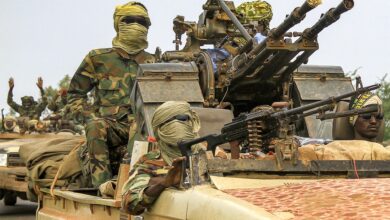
(49, 38)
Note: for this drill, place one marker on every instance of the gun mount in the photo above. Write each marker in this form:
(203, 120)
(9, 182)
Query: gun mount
(253, 73)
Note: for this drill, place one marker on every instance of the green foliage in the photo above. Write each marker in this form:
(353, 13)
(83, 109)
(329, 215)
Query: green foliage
(50, 92)
(62, 84)
(384, 94)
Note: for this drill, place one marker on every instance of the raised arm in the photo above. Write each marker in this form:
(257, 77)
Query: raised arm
(10, 100)
(42, 105)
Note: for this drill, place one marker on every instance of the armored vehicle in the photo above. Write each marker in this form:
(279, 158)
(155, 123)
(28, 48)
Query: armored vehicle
(269, 72)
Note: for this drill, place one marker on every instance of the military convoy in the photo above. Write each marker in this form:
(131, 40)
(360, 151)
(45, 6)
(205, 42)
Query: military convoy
(266, 73)
(13, 171)
(18, 131)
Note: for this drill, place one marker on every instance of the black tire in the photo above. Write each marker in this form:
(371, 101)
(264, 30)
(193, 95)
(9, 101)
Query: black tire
(10, 198)
(2, 192)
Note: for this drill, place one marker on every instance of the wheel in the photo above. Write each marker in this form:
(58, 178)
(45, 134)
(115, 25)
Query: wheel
(10, 198)
(1, 194)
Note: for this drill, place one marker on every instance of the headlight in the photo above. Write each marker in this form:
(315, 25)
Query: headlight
(3, 160)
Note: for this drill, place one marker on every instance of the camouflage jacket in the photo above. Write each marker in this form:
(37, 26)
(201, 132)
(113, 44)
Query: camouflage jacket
(57, 104)
(134, 200)
(33, 112)
(109, 74)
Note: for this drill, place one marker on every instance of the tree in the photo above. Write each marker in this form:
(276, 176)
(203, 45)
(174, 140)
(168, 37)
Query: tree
(50, 92)
(62, 84)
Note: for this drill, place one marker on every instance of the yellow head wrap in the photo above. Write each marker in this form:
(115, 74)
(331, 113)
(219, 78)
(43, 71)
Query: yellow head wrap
(168, 132)
(132, 37)
(364, 100)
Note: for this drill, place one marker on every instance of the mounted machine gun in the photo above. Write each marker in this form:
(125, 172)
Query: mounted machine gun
(254, 73)
(270, 130)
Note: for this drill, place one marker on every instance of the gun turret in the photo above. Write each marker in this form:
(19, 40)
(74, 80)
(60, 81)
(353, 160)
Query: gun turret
(268, 66)
(241, 71)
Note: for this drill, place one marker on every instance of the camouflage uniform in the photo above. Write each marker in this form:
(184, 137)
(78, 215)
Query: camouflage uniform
(110, 73)
(57, 104)
(34, 111)
(134, 200)
(168, 130)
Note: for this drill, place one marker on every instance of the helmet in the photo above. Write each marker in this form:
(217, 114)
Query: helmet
(260, 11)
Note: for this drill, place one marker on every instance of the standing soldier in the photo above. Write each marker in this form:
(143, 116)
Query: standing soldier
(29, 107)
(110, 73)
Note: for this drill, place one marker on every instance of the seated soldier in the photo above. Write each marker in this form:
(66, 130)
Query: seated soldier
(366, 126)
(171, 122)
(256, 13)
(29, 107)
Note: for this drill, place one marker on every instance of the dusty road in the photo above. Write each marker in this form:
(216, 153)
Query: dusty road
(23, 210)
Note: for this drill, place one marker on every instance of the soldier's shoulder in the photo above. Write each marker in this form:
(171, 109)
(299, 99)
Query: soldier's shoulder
(145, 57)
(100, 51)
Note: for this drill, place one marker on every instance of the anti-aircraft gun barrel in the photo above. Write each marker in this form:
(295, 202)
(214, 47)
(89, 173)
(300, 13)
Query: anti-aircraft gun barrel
(258, 54)
(328, 18)
(296, 16)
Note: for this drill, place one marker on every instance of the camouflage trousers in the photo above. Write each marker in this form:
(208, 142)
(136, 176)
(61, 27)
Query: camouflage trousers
(106, 143)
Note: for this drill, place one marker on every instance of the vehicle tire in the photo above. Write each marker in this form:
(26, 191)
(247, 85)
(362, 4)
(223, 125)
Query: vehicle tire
(10, 198)
(2, 192)
(22, 195)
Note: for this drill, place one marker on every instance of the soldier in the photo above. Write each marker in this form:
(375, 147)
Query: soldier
(110, 73)
(158, 170)
(58, 102)
(259, 13)
(366, 126)
(29, 107)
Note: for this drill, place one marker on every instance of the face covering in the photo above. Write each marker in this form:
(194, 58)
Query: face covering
(168, 134)
(132, 38)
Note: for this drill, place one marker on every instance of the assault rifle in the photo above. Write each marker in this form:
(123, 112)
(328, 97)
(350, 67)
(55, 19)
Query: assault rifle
(264, 126)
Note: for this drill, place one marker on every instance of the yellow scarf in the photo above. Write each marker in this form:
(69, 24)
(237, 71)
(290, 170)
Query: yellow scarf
(132, 38)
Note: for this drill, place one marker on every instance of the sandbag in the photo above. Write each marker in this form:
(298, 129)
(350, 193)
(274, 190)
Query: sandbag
(55, 158)
(344, 150)
(53, 148)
